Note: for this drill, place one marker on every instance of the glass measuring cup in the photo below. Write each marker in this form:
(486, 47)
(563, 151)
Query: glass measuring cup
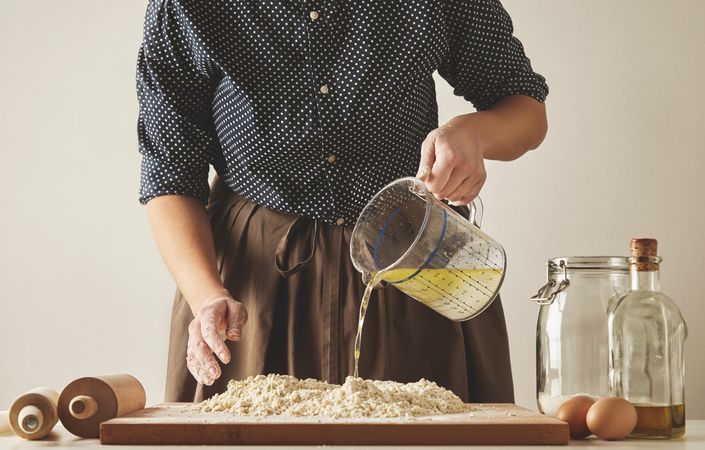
(418, 244)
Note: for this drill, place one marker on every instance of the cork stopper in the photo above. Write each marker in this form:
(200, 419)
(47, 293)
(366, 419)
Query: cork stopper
(644, 254)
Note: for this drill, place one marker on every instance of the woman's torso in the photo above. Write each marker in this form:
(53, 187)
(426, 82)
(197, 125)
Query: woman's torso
(314, 116)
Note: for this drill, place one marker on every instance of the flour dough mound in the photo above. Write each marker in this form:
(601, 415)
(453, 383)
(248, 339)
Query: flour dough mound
(283, 395)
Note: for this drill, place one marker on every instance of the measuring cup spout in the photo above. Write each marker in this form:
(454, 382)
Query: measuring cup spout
(367, 277)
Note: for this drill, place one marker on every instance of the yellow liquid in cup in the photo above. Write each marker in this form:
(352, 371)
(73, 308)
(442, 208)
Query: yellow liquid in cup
(457, 294)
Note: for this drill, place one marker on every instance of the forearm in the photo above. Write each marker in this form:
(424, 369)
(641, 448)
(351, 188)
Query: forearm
(182, 232)
(453, 156)
(509, 129)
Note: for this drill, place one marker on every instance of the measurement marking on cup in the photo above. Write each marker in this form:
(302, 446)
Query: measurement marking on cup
(461, 291)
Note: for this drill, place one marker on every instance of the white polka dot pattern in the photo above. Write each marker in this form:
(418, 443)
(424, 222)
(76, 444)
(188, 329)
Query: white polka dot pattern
(311, 106)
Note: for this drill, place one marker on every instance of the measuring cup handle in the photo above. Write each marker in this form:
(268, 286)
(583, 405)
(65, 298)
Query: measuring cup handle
(476, 209)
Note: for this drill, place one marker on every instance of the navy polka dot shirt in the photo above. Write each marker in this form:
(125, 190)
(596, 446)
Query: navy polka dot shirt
(311, 106)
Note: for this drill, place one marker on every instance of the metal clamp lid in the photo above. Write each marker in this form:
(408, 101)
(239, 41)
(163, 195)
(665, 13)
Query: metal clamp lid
(540, 297)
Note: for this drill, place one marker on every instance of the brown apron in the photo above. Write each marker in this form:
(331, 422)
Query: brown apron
(295, 277)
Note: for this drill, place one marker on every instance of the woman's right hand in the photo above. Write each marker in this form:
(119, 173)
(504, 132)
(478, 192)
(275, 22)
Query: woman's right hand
(216, 321)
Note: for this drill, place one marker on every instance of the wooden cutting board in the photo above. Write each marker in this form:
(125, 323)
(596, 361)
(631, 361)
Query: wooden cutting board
(177, 423)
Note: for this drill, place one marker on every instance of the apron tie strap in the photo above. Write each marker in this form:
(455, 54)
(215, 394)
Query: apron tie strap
(283, 247)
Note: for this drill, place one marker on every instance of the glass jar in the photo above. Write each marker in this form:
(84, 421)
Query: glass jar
(572, 356)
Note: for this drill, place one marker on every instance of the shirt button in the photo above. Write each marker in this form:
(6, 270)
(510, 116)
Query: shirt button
(331, 159)
(324, 89)
(340, 221)
(313, 15)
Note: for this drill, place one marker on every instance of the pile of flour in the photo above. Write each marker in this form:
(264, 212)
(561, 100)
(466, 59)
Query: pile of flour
(283, 395)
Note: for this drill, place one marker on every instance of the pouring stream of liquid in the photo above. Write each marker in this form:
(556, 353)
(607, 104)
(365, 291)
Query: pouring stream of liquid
(374, 280)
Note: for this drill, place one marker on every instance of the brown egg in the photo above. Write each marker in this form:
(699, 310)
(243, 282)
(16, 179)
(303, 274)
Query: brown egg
(611, 418)
(574, 411)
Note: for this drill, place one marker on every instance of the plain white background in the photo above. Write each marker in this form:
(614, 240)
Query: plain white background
(84, 292)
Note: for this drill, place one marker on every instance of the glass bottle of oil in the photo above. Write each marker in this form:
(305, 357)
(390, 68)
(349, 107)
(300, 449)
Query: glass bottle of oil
(646, 339)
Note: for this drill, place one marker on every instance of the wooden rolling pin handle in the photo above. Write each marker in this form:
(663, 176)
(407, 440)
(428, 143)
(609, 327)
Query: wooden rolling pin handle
(83, 407)
(30, 419)
(33, 414)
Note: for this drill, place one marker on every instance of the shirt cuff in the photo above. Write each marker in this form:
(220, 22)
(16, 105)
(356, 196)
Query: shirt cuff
(159, 178)
(532, 85)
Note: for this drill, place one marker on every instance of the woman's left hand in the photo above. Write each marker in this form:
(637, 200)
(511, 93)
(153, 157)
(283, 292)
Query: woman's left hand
(452, 159)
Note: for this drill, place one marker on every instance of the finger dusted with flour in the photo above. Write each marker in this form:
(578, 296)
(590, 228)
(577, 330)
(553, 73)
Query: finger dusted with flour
(219, 320)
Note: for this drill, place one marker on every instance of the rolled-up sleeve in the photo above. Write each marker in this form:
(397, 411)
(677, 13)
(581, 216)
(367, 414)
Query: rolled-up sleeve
(175, 124)
(485, 62)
